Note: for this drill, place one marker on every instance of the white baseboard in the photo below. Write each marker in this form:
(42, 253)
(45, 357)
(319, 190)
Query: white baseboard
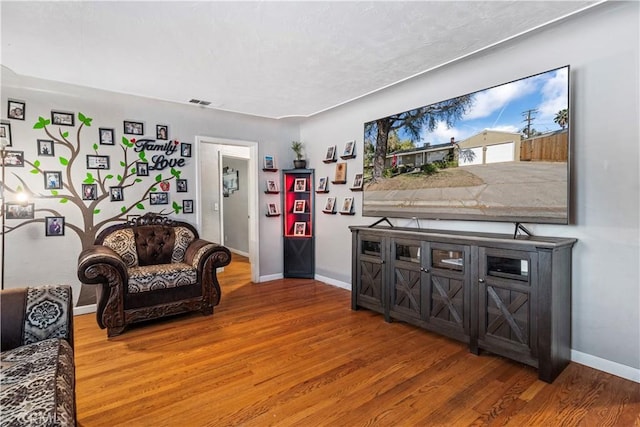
(84, 309)
(270, 277)
(613, 368)
(333, 282)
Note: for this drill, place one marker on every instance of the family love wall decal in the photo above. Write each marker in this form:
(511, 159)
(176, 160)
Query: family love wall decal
(160, 161)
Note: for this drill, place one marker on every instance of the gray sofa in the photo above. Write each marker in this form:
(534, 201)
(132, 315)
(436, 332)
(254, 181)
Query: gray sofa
(37, 381)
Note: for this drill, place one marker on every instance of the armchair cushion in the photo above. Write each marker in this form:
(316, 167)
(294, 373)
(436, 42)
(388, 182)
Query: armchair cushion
(161, 276)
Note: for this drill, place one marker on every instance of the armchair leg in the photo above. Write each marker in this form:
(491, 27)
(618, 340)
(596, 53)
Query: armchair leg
(207, 310)
(114, 332)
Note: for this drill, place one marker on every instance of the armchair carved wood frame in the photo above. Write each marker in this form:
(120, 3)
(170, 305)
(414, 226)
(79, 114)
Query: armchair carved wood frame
(151, 267)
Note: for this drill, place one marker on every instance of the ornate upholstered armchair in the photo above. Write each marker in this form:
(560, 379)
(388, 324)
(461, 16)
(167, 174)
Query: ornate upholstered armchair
(149, 268)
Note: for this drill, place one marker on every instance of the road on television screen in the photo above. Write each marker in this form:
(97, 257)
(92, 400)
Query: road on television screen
(526, 189)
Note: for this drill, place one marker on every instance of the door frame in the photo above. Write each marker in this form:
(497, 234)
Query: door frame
(252, 186)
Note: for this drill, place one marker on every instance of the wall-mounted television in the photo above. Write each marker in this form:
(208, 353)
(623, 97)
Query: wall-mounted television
(498, 154)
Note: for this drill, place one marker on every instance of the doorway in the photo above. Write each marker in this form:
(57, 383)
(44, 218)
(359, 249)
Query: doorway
(212, 153)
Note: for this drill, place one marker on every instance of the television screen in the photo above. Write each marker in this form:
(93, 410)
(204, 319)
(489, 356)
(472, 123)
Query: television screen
(499, 154)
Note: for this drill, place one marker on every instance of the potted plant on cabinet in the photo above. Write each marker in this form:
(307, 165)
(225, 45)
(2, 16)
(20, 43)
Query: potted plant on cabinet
(299, 162)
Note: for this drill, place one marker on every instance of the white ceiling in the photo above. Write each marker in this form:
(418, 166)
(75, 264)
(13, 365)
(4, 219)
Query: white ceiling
(267, 58)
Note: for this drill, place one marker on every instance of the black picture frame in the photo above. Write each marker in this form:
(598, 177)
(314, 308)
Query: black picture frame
(52, 180)
(45, 147)
(15, 109)
(159, 198)
(142, 169)
(54, 226)
(5, 132)
(19, 210)
(133, 128)
(185, 149)
(187, 206)
(162, 132)
(62, 118)
(89, 191)
(98, 162)
(13, 159)
(107, 136)
(181, 186)
(116, 194)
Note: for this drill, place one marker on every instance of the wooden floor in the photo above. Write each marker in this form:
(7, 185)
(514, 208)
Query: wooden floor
(292, 353)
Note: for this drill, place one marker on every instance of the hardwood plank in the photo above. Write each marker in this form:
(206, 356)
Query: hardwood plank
(292, 353)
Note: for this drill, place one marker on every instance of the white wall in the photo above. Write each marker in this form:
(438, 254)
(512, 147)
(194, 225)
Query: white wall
(33, 259)
(602, 48)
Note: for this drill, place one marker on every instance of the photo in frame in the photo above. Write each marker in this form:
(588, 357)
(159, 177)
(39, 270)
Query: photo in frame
(45, 147)
(331, 154)
(181, 186)
(357, 182)
(300, 185)
(162, 132)
(142, 169)
(299, 228)
(341, 173)
(269, 163)
(330, 205)
(133, 128)
(323, 182)
(15, 109)
(13, 158)
(185, 149)
(159, 198)
(62, 118)
(272, 209)
(5, 132)
(272, 186)
(187, 206)
(19, 210)
(89, 191)
(97, 162)
(349, 148)
(347, 205)
(299, 206)
(230, 180)
(116, 194)
(52, 180)
(106, 136)
(54, 226)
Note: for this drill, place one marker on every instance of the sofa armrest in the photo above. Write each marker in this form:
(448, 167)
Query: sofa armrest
(101, 265)
(33, 314)
(200, 251)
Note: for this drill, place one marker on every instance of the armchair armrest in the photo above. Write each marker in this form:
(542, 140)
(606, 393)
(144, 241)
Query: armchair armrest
(33, 314)
(103, 266)
(200, 251)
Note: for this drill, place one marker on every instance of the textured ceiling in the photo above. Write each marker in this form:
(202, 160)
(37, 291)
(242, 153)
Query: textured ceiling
(271, 59)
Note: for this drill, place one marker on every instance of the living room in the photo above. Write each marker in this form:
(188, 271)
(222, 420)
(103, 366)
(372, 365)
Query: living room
(601, 46)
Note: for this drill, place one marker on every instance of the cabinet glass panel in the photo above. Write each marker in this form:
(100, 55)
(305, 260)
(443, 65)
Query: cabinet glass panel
(510, 268)
(371, 247)
(449, 260)
(409, 253)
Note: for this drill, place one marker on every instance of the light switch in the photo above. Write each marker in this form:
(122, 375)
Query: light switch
(216, 207)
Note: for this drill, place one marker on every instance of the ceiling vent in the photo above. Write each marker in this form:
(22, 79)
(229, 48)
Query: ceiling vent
(199, 102)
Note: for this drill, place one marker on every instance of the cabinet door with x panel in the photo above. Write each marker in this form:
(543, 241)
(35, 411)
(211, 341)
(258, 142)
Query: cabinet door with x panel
(369, 271)
(407, 296)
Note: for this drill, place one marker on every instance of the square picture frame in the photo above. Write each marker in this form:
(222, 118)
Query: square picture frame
(330, 205)
(181, 186)
(15, 109)
(5, 132)
(300, 228)
(62, 118)
(323, 183)
(272, 186)
(349, 150)
(347, 205)
(54, 226)
(358, 182)
(272, 209)
(45, 147)
(52, 180)
(185, 149)
(187, 206)
(142, 169)
(133, 128)
(300, 185)
(162, 132)
(116, 194)
(159, 198)
(89, 191)
(19, 210)
(13, 159)
(299, 206)
(331, 154)
(107, 136)
(98, 162)
(269, 163)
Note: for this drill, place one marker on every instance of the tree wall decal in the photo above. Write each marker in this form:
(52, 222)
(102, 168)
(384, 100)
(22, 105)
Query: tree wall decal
(70, 195)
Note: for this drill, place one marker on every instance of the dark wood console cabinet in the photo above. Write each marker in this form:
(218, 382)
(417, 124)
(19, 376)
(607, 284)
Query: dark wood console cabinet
(508, 296)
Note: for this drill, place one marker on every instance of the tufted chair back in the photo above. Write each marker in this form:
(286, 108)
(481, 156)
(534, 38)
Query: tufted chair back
(154, 244)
